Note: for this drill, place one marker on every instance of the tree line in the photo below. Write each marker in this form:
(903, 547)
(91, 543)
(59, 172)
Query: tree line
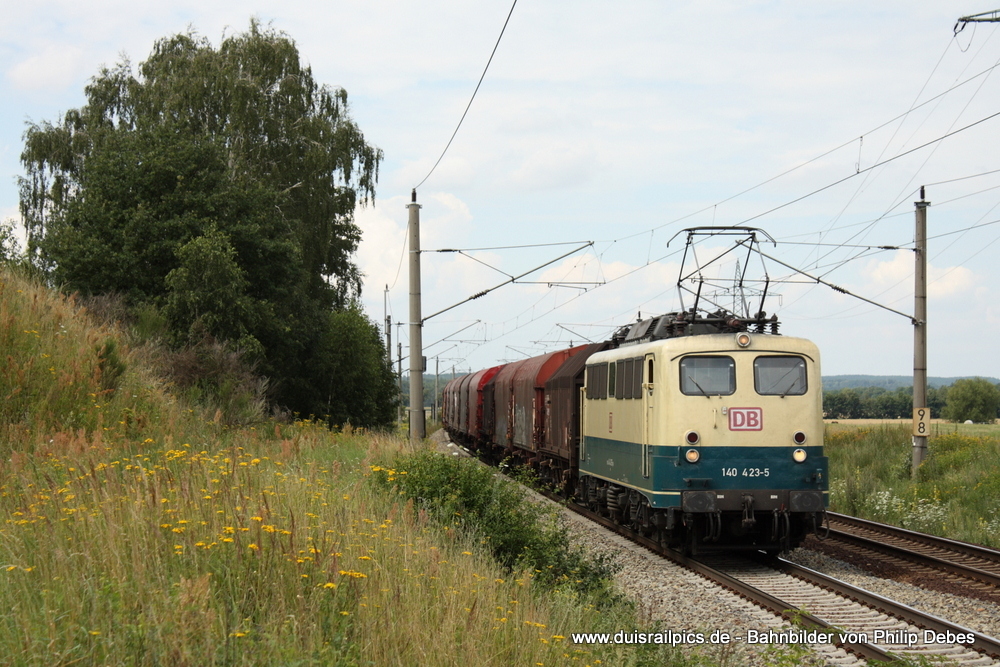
(973, 399)
(214, 190)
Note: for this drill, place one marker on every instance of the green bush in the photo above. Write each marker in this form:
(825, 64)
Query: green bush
(949, 452)
(520, 534)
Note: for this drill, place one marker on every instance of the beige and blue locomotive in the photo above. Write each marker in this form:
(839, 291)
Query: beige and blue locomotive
(704, 432)
(706, 437)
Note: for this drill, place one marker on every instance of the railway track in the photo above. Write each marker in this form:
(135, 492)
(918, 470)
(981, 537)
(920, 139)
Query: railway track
(838, 614)
(969, 569)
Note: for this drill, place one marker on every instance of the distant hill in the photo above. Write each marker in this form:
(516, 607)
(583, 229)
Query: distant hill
(834, 382)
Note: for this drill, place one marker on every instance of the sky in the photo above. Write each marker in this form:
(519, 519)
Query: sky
(620, 125)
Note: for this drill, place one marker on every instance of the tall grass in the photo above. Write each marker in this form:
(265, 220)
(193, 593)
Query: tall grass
(137, 528)
(65, 382)
(518, 533)
(273, 551)
(64, 375)
(956, 492)
(189, 555)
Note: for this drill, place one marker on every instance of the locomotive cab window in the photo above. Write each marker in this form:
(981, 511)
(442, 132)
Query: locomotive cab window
(779, 376)
(708, 376)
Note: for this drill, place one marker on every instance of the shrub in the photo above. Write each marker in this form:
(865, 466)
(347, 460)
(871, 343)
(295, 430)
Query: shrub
(110, 364)
(213, 374)
(518, 533)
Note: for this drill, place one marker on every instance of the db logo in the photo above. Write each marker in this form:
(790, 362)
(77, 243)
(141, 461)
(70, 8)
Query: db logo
(746, 419)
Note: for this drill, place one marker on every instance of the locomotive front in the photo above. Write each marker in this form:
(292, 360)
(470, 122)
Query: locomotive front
(707, 441)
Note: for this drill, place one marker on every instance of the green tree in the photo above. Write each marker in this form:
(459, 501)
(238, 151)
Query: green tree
(207, 293)
(9, 247)
(890, 404)
(210, 165)
(352, 372)
(842, 404)
(250, 103)
(937, 398)
(976, 399)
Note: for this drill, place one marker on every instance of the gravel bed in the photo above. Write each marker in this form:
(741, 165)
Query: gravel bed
(681, 601)
(974, 614)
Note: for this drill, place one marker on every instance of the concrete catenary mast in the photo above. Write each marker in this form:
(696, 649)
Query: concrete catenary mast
(416, 328)
(920, 412)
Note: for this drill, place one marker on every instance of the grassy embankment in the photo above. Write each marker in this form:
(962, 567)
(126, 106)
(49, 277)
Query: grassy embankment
(138, 529)
(956, 492)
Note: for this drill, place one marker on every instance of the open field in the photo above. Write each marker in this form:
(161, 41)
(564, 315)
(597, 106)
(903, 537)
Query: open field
(938, 426)
(955, 493)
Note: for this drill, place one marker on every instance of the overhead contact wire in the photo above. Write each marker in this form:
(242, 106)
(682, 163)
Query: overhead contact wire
(866, 169)
(469, 105)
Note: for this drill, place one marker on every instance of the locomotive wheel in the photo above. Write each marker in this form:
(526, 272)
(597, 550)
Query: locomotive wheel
(690, 547)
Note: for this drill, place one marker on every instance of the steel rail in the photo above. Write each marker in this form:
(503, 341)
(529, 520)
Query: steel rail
(950, 567)
(983, 643)
(864, 650)
(956, 546)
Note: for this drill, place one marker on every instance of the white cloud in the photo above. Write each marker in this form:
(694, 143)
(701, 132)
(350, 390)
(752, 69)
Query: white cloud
(13, 214)
(948, 282)
(55, 66)
(893, 279)
(888, 274)
(597, 123)
(382, 244)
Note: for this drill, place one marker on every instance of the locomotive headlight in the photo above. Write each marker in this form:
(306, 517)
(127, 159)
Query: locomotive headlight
(692, 455)
(743, 339)
(799, 455)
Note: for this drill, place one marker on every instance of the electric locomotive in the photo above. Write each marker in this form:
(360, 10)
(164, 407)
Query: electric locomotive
(706, 432)
(703, 431)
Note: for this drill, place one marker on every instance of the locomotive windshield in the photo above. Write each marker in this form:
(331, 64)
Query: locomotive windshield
(779, 376)
(708, 376)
